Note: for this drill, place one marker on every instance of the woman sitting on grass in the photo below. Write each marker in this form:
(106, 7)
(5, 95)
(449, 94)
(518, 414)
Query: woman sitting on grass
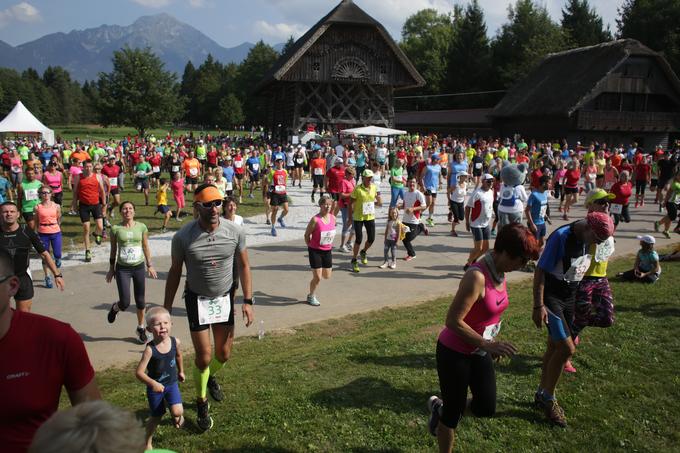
(467, 346)
(647, 268)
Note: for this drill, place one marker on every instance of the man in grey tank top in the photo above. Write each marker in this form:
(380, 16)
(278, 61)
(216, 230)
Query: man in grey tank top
(208, 246)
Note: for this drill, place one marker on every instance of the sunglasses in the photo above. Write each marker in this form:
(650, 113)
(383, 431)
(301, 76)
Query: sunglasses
(210, 204)
(44, 193)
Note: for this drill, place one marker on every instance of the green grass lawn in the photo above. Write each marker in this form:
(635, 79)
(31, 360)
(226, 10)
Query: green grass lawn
(96, 132)
(72, 228)
(360, 384)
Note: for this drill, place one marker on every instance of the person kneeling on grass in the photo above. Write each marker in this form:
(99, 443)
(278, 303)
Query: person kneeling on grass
(160, 369)
(647, 268)
(467, 345)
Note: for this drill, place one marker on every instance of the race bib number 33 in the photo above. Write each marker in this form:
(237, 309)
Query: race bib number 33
(212, 310)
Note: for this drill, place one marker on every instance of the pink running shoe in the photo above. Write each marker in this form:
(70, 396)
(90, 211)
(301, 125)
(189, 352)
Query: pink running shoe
(569, 367)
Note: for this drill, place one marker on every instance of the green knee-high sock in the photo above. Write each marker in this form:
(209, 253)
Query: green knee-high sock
(201, 382)
(215, 366)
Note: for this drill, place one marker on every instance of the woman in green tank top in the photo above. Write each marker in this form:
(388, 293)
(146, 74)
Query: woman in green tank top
(28, 197)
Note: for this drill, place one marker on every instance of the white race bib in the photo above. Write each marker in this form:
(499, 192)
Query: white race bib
(238, 163)
(489, 334)
(300, 161)
(544, 209)
(318, 171)
(327, 237)
(368, 208)
(31, 194)
(174, 168)
(212, 310)
(279, 188)
(156, 169)
(193, 171)
(604, 250)
(256, 167)
(141, 174)
(132, 254)
(113, 181)
(229, 186)
(615, 208)
(478, 165)
(578, 268)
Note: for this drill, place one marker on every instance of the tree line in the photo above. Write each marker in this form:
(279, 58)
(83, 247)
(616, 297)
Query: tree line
(452, 51)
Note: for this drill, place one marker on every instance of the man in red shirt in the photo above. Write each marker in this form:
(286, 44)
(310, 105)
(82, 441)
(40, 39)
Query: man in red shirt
(333, 183)
(38, 355)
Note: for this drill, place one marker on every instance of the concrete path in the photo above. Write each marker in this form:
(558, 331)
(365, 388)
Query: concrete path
(281, 278)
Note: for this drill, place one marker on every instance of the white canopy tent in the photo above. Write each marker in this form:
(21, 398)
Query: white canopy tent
(373, 131)
(310, 136)
(21, 121)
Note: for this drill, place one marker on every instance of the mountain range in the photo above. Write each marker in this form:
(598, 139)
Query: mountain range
(86, 53)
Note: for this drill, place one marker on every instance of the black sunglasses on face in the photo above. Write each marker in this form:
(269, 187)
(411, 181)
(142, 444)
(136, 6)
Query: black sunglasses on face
(210, 204)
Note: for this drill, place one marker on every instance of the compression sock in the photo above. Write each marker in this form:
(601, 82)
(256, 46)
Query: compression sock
(201, 382)
(215, 366)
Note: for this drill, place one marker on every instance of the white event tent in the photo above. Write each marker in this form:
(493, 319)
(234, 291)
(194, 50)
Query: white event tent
(373, 131)
(21, 121)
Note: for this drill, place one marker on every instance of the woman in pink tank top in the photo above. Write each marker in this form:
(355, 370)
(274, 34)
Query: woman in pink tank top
(467, 345)
(53, 179)
(319, 237)
(47, 216)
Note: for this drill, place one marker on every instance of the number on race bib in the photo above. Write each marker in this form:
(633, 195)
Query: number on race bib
(175, 168)
(130, 254)
(193, 172)
(544, 209)
(229, 186)
(368, 208)
(615, 208)
(280, 188)
(256, 167)
(156, 169)
(327, 237)
(31, 194)
(318, 172)
(238, 163)
(113, 182)
(212, 310)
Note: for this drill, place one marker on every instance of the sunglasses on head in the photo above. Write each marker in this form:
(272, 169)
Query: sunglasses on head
(210, 204)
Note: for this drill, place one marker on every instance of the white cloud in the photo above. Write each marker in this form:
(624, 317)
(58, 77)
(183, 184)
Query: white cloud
(21, 12)
(152, 3)
(279, 32)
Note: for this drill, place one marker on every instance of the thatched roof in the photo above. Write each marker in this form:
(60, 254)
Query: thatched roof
(565, 81)
(346, 13)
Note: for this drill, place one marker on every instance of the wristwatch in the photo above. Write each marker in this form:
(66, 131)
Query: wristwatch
(249, 301)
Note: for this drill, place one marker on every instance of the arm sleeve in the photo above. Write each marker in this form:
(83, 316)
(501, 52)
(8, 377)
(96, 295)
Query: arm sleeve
(551, 252)
(241, 239)
(78, 371)
(177, 248)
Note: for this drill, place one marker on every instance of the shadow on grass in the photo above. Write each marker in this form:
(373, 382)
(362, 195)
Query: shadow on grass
(653, 310)
(523, 410)
(406, 360)
(371, 393)
(519, 364)
(374, 450)
(253, 449)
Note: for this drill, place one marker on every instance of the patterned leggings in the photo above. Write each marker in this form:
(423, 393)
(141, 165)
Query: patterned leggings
(594, 304)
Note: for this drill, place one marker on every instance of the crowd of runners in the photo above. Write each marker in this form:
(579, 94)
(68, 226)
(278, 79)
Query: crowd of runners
(349, 180)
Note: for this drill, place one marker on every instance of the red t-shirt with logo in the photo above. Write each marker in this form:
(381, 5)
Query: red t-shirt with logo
(39, 356)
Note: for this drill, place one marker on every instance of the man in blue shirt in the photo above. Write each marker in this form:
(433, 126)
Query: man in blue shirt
(228, 173)
(430, 182)
(537, 208)
(253, 167)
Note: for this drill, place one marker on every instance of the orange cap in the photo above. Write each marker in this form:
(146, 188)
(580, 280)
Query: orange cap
(210, 193)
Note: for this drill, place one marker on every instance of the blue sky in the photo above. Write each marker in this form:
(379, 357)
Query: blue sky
(231, 22)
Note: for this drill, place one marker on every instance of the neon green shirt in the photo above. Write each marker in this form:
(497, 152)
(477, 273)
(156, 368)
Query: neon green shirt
(363, 202)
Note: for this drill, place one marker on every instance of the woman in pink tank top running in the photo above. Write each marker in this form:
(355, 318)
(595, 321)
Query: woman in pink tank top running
(467, 345)
(319, 237)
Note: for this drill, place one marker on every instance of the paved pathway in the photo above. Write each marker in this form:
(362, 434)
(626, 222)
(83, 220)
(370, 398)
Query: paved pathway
(280, 280)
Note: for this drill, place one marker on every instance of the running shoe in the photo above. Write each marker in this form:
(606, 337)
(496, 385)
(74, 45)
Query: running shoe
(273, 231)
(554, 413)
(355, 266)
(267, 222)
(215, 389)
(281, 222)
(48, 282)
(88, 256)
(98, 239)
(569, 367)
(434, 405)
(163, 229)
(656, 226)
(430, 222)
(111, 317)
(454, 234)
(313, 301)
(383, 265)
(57, 262)
(426, 232)
(203, 419)
(539, 401)
(251, 196)
(141, 335)
(409, 257)
(392, 265)
(667, 234)
(493, 233)
(312, 198)
(364, 259)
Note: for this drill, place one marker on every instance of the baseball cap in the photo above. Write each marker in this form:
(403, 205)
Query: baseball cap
(228, 157)
(367, 173)
(338, 160)
(487, 176)
(207, 193)
(434, 157)
(601, 224)
(462, 173)
(598, 194)
(647, 239)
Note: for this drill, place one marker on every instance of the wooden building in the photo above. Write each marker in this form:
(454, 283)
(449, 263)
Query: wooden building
(341, 73)
(617, 92)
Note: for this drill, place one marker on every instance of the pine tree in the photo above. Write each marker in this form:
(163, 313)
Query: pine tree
(582, 25)
(469, 59)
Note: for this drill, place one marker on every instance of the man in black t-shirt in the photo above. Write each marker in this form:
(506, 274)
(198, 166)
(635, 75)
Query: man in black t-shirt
(666, 167)
(17, 240)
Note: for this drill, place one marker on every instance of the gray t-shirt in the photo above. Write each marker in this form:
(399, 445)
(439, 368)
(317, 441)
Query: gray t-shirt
(208, 257)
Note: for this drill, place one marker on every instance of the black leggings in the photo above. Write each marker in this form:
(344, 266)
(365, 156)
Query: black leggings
(456, 373)
(123, 276)
(359, 234)
(414, 230)
(625, 215)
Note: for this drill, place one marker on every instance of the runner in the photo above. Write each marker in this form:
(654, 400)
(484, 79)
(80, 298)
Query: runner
(143, 170)
(319, 237)
(129, 251)
(666, 168)
(643, 175)
(478, 213)
(622, 191)
(467, 345)
(53, 178)
(333, 182)
(191, 169)
(672, 201)
(457, 196)
(88, 190)
(348, 185)
(317, 168)
(208, 247)
(239, 173)
(253, 167)
(397, 182)
(414, 204)
(48, 219)
(536, 210)
(362, 211)
(18, 240)
(430, 182)
(278, 178)
(571, 179)
(561, 267)
(28, 196)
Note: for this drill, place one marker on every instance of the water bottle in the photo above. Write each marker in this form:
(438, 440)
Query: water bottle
(260, 331)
